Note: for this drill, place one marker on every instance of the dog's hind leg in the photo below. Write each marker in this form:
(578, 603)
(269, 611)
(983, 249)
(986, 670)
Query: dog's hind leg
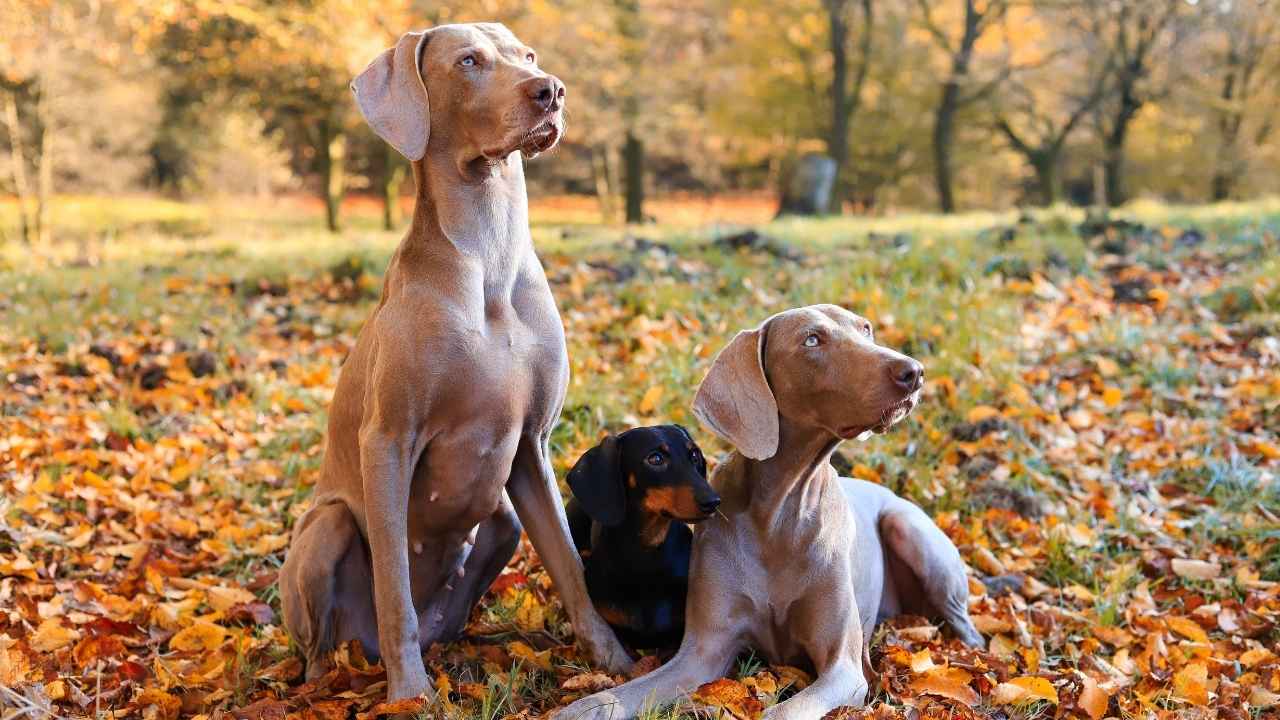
(911, 538)
(324, 586)
(494, 542)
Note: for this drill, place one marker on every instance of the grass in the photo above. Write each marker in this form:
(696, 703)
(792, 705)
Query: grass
(278, 301)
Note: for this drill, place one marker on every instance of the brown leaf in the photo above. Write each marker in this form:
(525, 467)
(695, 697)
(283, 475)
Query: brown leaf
(264, 709)
(588, 682)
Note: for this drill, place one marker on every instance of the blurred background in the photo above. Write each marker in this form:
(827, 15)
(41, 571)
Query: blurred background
(719, 108)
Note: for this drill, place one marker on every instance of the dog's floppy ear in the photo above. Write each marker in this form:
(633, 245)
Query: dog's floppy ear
(735, 401)
(392, 96)
(596, 481)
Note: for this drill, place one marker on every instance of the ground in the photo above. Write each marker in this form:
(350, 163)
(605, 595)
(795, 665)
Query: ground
(1098, 436)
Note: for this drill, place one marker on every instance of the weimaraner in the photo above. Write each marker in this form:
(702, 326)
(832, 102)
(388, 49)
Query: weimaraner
(436, 449)
(801, 563)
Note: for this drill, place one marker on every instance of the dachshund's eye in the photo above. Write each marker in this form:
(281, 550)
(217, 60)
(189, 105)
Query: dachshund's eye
(468, 61)
(530, 58)
(812, 340)
(655, 458)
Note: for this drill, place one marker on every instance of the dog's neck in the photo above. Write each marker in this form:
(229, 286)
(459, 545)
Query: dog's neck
(652, 529)
(790, 483)
(477, 210)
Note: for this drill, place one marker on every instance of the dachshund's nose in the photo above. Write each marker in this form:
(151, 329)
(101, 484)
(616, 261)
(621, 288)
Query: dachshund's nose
(709, 505)
(907, 373)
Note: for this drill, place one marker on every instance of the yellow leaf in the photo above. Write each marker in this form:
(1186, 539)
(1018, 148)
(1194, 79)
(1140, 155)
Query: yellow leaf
(1188, 628)
(202, 636)
(1112, 396)
(52, 635)
(1249, 658)
(922, 661)
(526, 654)
(650, 400)
(530, 615)
(223, 598)
(1025, 689)
(731, 695)
(948, 682)
(1191, 683)
(981, 412)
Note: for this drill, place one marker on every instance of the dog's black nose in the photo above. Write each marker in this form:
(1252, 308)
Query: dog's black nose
(907, 373)
(709, 505)
(547, 93)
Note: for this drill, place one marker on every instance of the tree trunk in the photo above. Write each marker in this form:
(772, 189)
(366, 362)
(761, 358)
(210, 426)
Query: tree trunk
(333, 153)
(18, 166)
(1048, 185)
(392, 179)
(1113, 164)
(602, 174)
(633, 163)
(943, 133)
(44, 181)
(838, 140)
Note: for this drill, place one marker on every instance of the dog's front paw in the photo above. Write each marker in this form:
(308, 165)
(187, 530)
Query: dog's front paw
(410, 682)
(601, 706)
(598, 640)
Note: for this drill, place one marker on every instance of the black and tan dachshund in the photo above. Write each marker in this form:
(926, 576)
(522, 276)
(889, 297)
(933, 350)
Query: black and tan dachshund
(634, 494)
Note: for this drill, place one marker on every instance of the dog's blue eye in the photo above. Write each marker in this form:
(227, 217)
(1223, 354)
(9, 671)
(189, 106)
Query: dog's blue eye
(467, 61)
(530, 58)
(811, 340)
(655, 458)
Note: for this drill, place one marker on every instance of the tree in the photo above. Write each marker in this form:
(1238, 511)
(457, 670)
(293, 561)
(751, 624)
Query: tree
(846, 90)
(1041, 106)
(1134, 37)
(1245, 64)
(958, 89)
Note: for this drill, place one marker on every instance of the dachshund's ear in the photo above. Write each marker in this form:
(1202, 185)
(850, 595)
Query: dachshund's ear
(392, 96)
(596, 481)
(734, 399)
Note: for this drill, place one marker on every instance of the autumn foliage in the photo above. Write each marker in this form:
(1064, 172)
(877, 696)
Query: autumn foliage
(1098, 438)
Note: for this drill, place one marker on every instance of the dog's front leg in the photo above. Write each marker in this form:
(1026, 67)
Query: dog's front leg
(841, 684)
(703, 657)
(386, 468)
(536, 496)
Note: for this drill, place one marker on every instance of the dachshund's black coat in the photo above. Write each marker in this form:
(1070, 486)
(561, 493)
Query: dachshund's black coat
(633, 495)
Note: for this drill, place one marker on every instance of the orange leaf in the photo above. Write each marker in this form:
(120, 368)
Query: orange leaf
(1093, 700)
(981, 412)
(202, 636)
(1188, 629)
(1025, 689)
(731, 695)
(588, 682)
(948, 682)
(1191, 683)
(52, 635)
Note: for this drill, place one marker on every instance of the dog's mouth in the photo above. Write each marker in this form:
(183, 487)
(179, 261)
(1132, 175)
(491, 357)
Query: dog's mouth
(541, 138)
(689, 520)
(889, 417)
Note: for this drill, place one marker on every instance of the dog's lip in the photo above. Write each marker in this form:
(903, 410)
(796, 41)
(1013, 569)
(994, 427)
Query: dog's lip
(692, 521)
(851, 432)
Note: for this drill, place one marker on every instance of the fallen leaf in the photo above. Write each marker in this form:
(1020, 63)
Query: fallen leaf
(980, 413)
(53, 635)
(948, 682)
(1093, 700)
(1187, 628)
(200, 636)
(588, 682)
(1195, 569)
(1024, 689)
(1191, 683)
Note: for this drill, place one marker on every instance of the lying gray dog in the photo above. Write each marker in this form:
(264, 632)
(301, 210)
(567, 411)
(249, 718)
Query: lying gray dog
(802, 563)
